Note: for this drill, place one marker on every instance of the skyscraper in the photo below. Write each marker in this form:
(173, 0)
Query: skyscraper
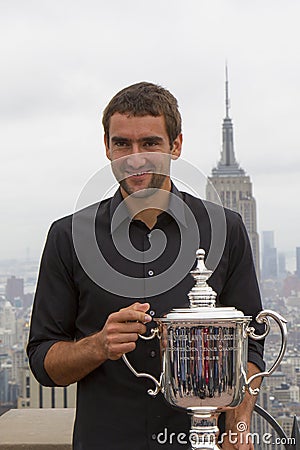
(233, 186)
(282, 272)
(269, 256)
(14, 288)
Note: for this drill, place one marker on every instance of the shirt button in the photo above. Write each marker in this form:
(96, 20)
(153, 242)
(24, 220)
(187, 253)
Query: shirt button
(153, 353)
(150, 273)
(153, 437)
(152, 312)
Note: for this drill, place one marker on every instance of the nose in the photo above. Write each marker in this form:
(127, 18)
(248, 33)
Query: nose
(136, 160)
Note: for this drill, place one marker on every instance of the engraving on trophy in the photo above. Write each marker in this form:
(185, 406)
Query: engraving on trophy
(201, 362)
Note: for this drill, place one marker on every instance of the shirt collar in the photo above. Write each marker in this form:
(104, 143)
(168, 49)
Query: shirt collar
(175, 208)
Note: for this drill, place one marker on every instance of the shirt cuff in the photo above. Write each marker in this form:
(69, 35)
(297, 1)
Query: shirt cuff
(36, 355)
(255, 354)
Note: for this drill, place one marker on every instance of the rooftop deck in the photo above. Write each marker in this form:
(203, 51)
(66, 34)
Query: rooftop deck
(36, 429)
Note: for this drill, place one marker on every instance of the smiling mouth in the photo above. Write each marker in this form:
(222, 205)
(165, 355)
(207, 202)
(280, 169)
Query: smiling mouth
(138, 174)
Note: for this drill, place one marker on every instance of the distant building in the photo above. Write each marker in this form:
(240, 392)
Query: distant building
(282, 272)
(5, 377)
(232, 186)
(291, 287)
(287, 423)
(14, 288)
(276, 379)
(38, 396)
(259, 426)
(269, 256)
(8, 333)
(268, 239)
(27, 300)
(286, 393)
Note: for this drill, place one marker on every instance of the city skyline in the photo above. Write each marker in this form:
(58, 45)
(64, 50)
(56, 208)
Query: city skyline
(60, 67)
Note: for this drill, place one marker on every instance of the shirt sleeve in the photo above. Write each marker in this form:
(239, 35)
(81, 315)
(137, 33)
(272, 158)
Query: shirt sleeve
(241, 288)
(55, 304)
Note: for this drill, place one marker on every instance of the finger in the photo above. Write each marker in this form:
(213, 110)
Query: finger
(123, 338)
(120, 349)
(127, 315)
(126, 327)
(133, 327)
(138, 305)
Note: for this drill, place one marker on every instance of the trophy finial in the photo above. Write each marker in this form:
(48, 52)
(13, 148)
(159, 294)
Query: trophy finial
(200, 253)
(201, 294)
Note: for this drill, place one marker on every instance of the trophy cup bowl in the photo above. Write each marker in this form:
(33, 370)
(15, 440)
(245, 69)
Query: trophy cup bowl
(204, 357)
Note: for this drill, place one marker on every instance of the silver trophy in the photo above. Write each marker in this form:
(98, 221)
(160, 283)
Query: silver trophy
(204, 357)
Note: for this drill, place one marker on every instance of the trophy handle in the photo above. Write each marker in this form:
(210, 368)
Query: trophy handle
(263, 317)
(153, 393)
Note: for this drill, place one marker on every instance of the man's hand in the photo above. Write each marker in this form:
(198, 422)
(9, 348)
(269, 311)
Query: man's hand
(122, 329)
(69, 362)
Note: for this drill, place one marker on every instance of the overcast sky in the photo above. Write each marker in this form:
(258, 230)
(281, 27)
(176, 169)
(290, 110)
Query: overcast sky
(61, 61)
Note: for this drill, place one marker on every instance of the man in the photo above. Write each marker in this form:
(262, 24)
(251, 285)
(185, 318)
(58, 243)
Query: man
(88, 311)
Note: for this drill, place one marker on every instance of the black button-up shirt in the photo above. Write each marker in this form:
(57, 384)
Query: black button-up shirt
(114, 411)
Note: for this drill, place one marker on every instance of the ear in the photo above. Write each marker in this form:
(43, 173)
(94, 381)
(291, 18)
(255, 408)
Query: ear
(176, 148)
(106, 143)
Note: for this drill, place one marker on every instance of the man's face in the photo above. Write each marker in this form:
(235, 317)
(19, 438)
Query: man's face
(140, 152)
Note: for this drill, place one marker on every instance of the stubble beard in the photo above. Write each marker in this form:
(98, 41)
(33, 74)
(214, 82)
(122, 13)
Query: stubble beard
(156, 182)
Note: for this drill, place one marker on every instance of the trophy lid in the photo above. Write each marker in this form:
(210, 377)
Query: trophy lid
(203, 298)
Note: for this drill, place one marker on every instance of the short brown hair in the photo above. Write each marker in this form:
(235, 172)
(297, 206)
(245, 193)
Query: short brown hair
(142, 99)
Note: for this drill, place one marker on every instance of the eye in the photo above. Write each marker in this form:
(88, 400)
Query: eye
(121, 144)
(151, 144)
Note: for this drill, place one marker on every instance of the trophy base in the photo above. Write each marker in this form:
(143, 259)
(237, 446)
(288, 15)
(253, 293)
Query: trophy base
(204, 430)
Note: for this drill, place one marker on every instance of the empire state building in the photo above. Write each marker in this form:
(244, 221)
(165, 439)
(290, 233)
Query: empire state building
(233, 185)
